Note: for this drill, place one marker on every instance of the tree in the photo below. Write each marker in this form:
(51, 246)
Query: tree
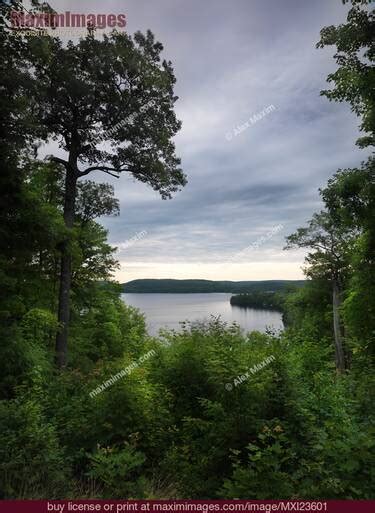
(350, 200)
(95, 200)
(350, 194)
(93, 258)
(329, 260)
(18, 209)
(354, 80)
(109, 104)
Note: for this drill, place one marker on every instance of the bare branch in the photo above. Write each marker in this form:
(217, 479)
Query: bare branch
(105, 169)
(59, 161)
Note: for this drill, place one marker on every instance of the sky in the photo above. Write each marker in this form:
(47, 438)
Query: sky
(247, 189)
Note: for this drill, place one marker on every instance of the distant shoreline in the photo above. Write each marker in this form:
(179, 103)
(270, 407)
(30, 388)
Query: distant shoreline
(171, 286)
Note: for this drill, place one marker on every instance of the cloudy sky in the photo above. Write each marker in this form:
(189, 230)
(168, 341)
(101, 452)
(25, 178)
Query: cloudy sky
(246, 192)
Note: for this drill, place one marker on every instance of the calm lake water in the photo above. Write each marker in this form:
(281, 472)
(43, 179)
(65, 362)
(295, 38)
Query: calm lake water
(168, 310)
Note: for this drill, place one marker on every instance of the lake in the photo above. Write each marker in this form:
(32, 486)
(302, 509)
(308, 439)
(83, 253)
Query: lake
(168, 310)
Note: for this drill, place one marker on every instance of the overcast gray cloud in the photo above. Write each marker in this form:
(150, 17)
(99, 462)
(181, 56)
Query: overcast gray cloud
(232, 60)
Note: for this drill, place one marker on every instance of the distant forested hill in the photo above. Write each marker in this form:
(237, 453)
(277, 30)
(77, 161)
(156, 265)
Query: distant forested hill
(189, 286)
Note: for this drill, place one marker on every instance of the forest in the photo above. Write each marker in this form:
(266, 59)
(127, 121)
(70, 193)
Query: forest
(264, 300)
(165, 425)
(204, 286)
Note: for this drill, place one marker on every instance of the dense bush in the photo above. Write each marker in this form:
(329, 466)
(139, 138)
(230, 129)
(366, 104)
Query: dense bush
(289, 429)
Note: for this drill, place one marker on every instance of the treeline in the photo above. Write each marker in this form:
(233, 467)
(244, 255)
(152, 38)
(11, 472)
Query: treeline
(257, 299)
(203, 286)
(179, 423)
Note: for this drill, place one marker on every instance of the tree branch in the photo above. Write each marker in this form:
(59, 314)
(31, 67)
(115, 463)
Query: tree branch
(59, 161)
(105, 169)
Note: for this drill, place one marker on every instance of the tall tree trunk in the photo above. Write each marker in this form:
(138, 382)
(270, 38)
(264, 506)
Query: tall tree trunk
(339, 345)
(66, 270)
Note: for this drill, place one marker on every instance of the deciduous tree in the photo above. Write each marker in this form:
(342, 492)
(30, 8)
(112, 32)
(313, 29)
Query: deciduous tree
(329, 260)
(110, 105)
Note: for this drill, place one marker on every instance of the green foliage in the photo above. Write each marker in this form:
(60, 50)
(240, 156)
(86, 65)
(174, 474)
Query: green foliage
(359, 305)
(39, 327)
(103, 327)
(32, 463)
(194, 369)
(354, 79)
(279, 431)
(269, 460)
(258, 299)
(331, 245)
(118, 472)
(322, 451)
(309, 309)
(198, 286)
(129, 104)
(350, 198)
